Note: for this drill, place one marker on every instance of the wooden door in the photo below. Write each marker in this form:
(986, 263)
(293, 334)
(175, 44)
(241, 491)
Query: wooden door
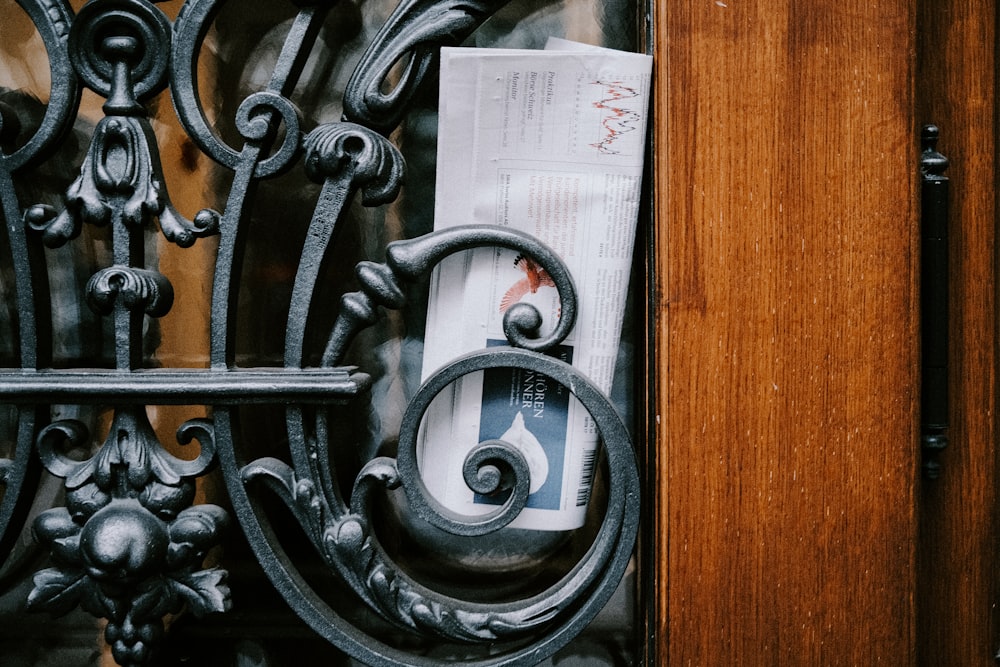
(790, 504)
(958, 563)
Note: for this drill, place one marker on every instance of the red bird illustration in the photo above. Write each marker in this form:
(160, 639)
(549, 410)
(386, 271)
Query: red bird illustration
(535, 278)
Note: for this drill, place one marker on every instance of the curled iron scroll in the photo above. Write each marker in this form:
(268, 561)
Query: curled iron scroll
(411, 38)
(344, 530)
(406, 261)
(256, 114)
(345, 537)
(52, 19)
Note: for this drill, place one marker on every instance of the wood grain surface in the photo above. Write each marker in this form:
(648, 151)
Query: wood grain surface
(958, 566)
(786, 332)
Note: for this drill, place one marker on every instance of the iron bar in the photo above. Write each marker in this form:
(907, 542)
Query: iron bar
(236, 386)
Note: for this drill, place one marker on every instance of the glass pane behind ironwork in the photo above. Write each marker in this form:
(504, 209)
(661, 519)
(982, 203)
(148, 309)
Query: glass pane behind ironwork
(238, 57)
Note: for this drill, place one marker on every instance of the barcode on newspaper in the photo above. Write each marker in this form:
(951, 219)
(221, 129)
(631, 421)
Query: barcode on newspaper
(589, 463)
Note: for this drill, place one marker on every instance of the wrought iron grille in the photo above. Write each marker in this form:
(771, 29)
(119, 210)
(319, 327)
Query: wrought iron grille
(129, 544)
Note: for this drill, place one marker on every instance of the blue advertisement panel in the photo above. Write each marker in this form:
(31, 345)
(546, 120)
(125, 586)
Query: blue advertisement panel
(530, 411)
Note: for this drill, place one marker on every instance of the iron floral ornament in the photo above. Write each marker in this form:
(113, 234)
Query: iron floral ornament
(114, 45)
(122, 164)
(128, 546)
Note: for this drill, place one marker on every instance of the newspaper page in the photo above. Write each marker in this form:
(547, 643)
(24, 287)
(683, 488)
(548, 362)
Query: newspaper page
(550, 142)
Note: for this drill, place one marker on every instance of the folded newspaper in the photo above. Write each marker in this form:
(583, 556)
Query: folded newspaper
(549, 142)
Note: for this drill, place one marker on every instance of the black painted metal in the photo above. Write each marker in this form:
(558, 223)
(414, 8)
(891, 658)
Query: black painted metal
(129, 546)
(19, 474)
(415, 31)
(933, 303)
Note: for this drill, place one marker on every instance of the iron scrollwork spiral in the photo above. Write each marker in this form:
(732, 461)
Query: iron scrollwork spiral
(129, 545)
(345, 536)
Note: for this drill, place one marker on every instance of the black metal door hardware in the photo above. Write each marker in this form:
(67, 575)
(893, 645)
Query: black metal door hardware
(933, 302)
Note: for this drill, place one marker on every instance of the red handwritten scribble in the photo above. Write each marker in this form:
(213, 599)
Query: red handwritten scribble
(617, 120)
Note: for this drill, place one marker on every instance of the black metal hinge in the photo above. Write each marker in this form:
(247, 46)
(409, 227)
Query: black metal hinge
(933, 303)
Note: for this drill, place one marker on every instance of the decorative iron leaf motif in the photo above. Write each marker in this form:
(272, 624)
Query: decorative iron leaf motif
(116, 48)
(56, 591)
(121, 180)
(355, 155)
(348, 545)
(138, 289)
(204, 591)
(128, 547)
